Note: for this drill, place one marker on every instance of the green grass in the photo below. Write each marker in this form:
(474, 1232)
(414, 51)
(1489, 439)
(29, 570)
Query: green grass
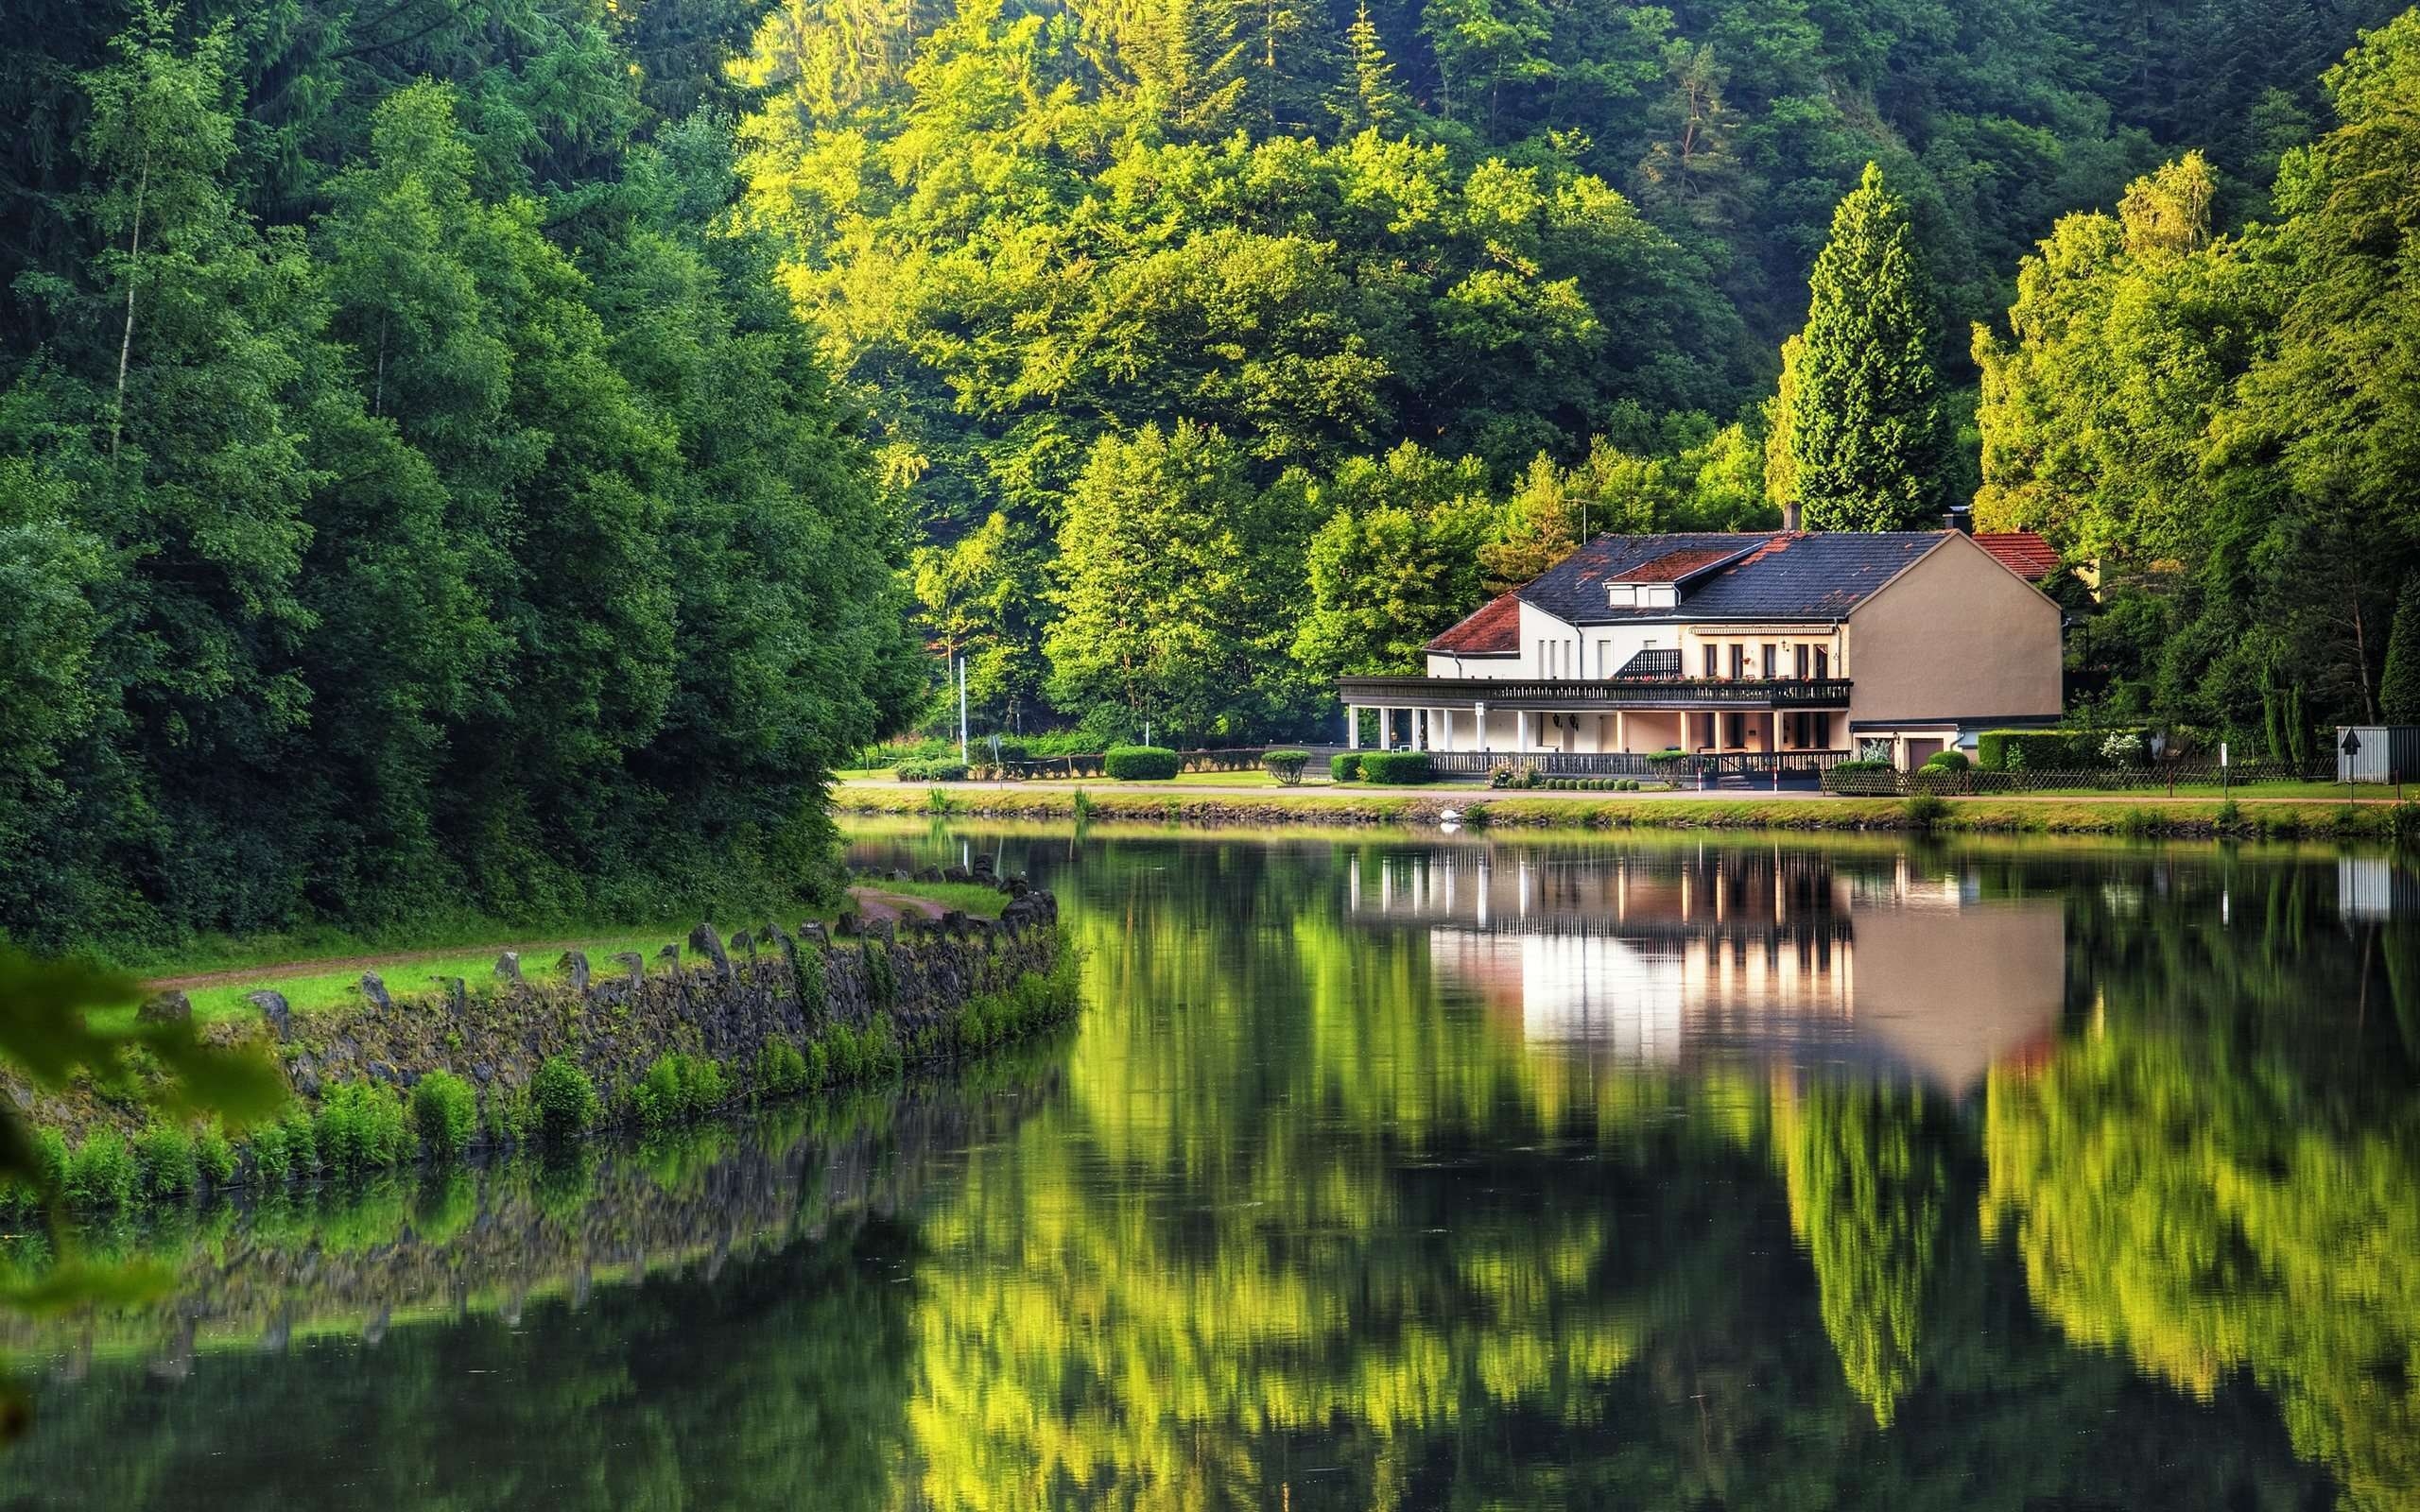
(410, 969)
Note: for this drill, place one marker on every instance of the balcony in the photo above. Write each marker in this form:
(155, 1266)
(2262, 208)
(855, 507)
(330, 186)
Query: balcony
(1597, 694)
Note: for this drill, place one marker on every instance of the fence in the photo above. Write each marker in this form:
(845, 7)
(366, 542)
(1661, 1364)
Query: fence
(1747, 766)
(1238, 759)
(2098, 779)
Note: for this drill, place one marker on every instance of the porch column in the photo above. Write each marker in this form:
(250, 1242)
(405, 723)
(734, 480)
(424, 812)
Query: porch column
(1621, 730)
(1352, 727)
(1448, 714)
(1478, 728)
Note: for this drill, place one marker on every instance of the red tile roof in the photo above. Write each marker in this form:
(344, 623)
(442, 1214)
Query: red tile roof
(1673, 566)
(2021, 552)
(1495, 630)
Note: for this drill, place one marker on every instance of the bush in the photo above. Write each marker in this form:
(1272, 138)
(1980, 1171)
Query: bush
(446, 1111)
(101, 1174)
(1141, 763)
(2056, 751)
(163, 1160)
(1285, 766)
(677, 1087)
(780, 1069)
(1948, 761)
(1345, 767)
(938, 772)
(1395, 767)
(563, 1098)
(361, 1128)
(212, 1156)
(1863, 765)
(1925, 810)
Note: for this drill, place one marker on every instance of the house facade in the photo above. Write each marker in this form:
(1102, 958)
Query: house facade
(1787, 650)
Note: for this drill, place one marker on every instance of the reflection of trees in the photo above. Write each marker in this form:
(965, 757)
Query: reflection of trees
(1304, 1232)
(1870, 1197)
(2206, 1222)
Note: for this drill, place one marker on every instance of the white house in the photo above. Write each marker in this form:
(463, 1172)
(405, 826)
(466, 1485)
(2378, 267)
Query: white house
(1782, 648)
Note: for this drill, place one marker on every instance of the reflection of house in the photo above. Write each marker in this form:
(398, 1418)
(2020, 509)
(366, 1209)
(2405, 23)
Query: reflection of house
(1789, 645)
(1663, 957)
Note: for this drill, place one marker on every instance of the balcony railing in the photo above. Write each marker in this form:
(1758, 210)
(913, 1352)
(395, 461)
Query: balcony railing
(1605, 694)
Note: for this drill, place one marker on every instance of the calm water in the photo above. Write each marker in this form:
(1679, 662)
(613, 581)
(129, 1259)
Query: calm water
(1412, 1174)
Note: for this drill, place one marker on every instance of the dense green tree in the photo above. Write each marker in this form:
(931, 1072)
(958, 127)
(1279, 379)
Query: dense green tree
(1178, 581)
(1395, 563)
(2399, 684)
(1867, 441)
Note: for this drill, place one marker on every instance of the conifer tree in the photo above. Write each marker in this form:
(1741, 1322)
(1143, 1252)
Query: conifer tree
(1369, 100)
(2399, 688)
(1867, 426)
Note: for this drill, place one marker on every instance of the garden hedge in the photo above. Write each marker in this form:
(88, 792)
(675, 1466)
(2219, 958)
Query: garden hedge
(2047, 751)
(1395, 767)
(1285, 766)
(1345, 767)
(1141, 763)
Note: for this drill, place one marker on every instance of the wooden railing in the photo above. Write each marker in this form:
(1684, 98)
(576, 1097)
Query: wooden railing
(1598, 692)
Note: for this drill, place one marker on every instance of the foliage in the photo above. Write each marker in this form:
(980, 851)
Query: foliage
(102, 1173)
(2056, 751)
(1285, 766)
(677, 1088)
(1395, 768)
(1345, 767)
(1141, 763)
(940, 771)
(164, 1161)
(562, 1099)
(781, 1070)
(480, 529)
(2399, 683)
(1948, 761)
(2218, 419)
(362, 1126)
(1867, 442)
(445, 1111)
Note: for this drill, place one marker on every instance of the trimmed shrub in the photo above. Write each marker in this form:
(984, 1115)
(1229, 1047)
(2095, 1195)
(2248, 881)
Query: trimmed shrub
(940, 772)
(1285, 766)
(101, 1173)
(1948, 761)
(446, 1111)
(163, 1162)
(1395, 767)
(677, 1088)
(1861, 767)
(361, 1128)
(563, 1098)
(1141, 763)
(1345, 767)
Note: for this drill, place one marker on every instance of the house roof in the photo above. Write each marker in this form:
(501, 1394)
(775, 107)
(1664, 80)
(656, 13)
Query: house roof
(1676, 566)
(1494, 631)
(1777, 575)
(2021, 552)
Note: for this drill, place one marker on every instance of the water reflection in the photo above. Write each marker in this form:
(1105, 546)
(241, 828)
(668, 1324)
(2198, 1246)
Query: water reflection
(1782, 953)
(1475, 1174)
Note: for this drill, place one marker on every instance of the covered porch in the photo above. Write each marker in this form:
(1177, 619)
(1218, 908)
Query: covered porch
(1603, 717)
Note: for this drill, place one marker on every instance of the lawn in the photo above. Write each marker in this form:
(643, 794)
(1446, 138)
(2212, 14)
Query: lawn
(331, 974)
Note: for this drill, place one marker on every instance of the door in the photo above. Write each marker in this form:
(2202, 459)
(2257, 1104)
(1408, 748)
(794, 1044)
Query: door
(1921, 751)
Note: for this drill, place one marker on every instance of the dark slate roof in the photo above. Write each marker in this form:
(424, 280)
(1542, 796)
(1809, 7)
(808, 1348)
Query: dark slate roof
(1778, 574)
(1494, 631)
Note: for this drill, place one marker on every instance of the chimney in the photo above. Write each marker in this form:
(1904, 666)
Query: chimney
(1789, 515)
(1960, 518)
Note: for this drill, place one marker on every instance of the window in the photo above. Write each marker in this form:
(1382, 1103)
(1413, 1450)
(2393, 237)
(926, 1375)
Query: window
(1802, 660)
(1738, 660)
(1709, 660)
(1605, 658)
(1772, 660)
(1823, 661)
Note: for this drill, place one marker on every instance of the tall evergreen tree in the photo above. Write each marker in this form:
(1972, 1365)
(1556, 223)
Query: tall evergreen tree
(1368, 99)
(1868, 432)
(2399, 687)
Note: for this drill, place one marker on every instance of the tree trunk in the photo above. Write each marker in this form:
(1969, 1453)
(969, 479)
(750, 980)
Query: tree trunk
(126, 337)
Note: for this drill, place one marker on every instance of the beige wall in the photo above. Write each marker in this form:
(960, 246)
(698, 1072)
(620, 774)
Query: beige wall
(1957, 636)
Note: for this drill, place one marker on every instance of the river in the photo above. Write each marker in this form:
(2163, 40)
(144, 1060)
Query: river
(1412, 1172)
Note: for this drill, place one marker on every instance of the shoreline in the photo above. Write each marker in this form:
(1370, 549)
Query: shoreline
(2145, 815)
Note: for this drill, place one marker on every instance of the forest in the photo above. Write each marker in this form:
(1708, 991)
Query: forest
(499, 457)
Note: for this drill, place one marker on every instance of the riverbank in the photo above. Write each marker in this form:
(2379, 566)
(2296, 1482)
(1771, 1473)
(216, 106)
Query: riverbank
(523, 1057)
(1195, 807)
